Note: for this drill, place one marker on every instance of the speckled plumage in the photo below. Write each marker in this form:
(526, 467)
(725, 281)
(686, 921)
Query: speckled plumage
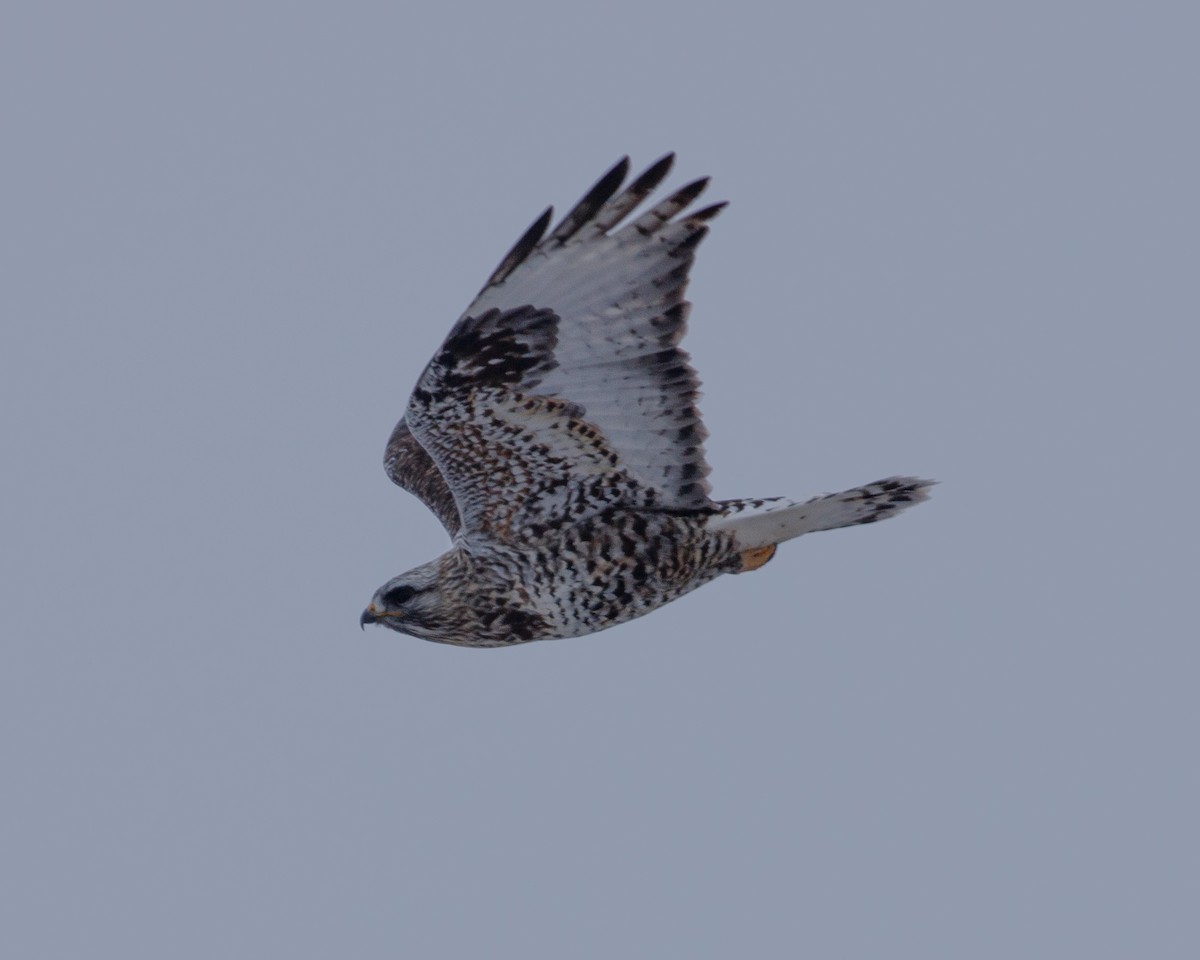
(555, 435)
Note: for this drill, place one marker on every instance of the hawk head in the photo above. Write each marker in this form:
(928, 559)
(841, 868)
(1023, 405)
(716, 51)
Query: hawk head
(411, 603)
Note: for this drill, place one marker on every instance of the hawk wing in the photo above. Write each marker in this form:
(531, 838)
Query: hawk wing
(409, 466)
(562, 390)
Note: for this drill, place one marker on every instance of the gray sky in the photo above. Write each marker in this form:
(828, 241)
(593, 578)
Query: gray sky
(962, 243)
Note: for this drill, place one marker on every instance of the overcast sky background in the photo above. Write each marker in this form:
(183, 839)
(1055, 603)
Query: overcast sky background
(962, 243)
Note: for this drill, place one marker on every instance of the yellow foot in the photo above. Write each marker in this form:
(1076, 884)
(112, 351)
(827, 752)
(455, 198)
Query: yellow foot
(755, 558)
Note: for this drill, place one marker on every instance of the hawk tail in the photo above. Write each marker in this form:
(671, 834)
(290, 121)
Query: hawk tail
(759, 524)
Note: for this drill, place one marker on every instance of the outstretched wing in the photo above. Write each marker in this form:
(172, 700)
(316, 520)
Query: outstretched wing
(563, 389)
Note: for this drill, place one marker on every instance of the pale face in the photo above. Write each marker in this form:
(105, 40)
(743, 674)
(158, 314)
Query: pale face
(410, 603)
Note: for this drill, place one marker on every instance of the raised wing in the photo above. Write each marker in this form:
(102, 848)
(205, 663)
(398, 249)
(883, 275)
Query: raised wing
(563, 389)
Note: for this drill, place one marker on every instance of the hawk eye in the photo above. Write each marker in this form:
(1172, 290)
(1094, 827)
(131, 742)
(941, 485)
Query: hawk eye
(398, 596)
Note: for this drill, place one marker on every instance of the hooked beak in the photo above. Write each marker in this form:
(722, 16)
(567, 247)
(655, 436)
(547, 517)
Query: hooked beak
(368, 616)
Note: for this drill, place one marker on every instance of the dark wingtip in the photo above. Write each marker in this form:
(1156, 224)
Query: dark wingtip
(641, 187)
(521, 249)
(686, 194)
(654, 173)
(587, 208)
(708, 212)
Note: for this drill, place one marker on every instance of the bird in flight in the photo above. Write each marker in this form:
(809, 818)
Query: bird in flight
(555, 435)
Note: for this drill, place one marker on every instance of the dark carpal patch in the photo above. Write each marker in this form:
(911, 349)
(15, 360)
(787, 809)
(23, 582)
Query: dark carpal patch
(499, 348)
